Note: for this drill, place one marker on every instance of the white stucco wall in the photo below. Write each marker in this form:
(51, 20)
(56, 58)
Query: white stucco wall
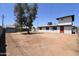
(50, 30)
(65, 20)
(43, 28)
(67, 30)
(58, 29)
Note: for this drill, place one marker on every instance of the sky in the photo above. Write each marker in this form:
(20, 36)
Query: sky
(47, 12)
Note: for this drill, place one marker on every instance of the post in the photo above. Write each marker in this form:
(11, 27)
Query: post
(3, 20)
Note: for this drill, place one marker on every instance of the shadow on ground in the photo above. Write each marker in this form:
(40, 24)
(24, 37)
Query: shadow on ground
(2, 44)
(31, 33)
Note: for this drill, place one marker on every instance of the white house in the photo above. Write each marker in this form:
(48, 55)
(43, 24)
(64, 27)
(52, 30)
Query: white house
(64, 25)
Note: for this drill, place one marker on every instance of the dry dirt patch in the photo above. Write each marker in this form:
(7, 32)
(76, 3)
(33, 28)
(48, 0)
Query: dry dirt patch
(46, 43)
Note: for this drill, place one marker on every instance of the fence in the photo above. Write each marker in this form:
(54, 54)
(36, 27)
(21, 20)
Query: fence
(2, 43)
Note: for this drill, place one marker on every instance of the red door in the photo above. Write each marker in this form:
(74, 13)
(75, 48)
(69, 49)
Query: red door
(61, 29)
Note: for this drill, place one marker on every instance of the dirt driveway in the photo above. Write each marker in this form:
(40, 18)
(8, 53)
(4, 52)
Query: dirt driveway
(42, 44)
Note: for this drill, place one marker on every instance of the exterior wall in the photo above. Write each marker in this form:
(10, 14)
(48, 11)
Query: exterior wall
(50, 30)
(53, 31)
(58, 29)
(65, 21)
(43, 28)
(68, 29)
(10, 30)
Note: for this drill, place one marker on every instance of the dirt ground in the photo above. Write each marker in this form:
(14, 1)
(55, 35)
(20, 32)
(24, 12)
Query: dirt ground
(41, 44)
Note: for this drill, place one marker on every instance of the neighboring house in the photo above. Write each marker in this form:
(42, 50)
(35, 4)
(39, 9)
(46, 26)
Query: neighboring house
(64, 25)
(10, 28)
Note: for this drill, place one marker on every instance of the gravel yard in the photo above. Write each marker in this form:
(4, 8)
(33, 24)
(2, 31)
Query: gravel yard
(41, 44)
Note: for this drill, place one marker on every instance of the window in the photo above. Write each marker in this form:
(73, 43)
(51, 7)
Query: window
(47, 28)
(61, 18)
(40, 28)
(54, 28)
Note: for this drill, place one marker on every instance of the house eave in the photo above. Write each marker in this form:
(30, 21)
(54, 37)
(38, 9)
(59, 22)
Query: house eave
(66, 17)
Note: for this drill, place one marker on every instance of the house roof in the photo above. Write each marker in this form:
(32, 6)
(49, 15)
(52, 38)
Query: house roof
(48, 26)
(66, 17)
(56, 25)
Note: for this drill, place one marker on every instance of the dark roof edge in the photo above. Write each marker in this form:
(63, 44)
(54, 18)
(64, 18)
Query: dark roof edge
(66, 16)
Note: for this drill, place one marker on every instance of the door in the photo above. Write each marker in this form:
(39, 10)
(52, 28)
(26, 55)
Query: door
(61, 29)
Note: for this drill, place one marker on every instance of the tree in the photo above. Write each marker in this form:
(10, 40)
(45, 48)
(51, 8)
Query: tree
(26, 14)
(30, 14)
(19, 13)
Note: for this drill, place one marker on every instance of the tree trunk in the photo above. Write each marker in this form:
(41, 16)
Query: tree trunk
(21, 29)
(28, 32)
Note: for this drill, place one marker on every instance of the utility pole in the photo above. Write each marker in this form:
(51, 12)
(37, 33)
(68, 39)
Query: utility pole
(3, 20)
